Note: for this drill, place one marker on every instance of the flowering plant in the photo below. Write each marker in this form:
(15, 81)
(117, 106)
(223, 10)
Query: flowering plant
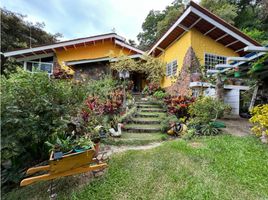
(260, 120)
(179, 105)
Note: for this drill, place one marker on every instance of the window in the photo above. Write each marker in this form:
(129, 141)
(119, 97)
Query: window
(172, 68)
(33, 66)
(211, 60)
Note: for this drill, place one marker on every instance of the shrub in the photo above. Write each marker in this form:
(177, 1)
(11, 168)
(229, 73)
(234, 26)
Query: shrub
(159, 94)
(209, 129)
(34, 108)
(178, 105)
(260, 120)
(206, 109)
(151, 88)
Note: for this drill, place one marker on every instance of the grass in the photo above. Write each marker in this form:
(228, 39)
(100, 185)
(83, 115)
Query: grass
(220, 167)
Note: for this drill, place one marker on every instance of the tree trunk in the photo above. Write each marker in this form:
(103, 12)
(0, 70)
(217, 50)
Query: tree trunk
(219, 88)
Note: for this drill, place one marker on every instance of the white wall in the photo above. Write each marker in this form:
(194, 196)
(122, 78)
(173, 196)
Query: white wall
(232, 97)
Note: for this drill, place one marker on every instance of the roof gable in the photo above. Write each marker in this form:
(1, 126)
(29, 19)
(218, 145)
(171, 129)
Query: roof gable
(208, 24)
(52, 48)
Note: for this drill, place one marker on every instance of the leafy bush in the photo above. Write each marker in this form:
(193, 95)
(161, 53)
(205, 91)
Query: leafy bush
(151, 88)
(260, 120)
(209, 129)
(159, 94)
(206, 109)
(179, 105)
(34, 108)
(166, 122)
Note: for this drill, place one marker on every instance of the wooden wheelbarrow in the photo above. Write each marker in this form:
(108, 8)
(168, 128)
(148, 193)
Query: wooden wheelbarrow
(70, 164)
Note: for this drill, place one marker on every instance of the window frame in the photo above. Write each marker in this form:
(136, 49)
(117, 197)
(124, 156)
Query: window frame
(221, 58)
(171, 68)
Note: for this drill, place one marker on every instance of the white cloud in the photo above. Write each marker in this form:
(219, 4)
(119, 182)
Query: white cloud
(81, 18)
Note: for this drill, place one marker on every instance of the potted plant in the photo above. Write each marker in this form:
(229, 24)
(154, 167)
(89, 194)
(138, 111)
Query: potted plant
(60, 147)
(237, 73)
(83, 143)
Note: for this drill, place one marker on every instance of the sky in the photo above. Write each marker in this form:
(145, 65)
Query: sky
(83, 18)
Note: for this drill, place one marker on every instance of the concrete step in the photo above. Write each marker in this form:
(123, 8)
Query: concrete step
(142, 128)
(149, 106)
(146, 120)
(147, 103)
(151, 110)
(147, 115)
(136, 138)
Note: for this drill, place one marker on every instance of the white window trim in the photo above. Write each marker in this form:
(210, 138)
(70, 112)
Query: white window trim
(39, 66)
(172, 68)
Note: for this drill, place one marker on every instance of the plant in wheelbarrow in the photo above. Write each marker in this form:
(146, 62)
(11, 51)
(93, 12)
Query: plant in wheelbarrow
(83, 143)
(60, 147)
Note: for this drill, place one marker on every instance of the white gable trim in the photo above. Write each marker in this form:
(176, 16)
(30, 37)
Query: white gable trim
(128, 47)
(62, 44)
(215, 23)
(205, 17)
(171, 28)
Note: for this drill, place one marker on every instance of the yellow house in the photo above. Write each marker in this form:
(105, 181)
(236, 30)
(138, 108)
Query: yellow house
(83, 57)
(197, 38)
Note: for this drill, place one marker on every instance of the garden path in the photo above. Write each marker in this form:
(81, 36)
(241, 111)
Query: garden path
(237, 126)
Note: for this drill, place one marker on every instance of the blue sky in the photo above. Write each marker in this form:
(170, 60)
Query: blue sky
(82, 18)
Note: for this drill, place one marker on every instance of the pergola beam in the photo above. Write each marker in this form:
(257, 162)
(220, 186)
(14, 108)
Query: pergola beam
(256, 49)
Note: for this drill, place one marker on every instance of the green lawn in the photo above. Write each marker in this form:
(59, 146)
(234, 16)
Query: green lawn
(220, 167)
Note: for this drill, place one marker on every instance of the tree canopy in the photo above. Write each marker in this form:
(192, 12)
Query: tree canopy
(17, 33)
(157, 22)
(250, 16)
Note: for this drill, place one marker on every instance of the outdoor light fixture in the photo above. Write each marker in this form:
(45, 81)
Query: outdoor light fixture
(124, 74)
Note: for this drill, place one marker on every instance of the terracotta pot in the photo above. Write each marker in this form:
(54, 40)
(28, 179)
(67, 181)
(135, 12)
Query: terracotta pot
(97, 147)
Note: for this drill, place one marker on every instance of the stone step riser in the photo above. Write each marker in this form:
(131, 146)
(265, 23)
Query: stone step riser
(152, 110)
(148, 104)
(146, 116)
(145, 122)
(150, 107)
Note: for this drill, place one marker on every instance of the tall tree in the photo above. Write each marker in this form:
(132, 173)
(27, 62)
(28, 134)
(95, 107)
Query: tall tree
(222, 8)
(250, 16)
(149, 29)
(157, 22)
(16, 33)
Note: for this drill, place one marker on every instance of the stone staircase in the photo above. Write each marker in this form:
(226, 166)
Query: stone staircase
(147, 119)
(144, 126)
